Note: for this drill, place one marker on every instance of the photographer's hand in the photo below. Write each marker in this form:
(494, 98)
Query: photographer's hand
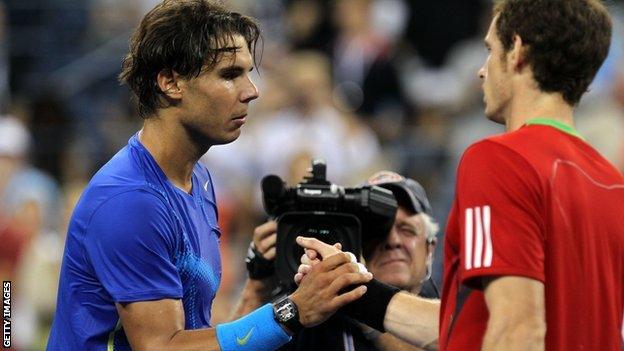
(262, 252)
(264, 239)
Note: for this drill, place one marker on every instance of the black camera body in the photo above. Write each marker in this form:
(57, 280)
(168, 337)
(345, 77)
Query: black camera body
(331, 213)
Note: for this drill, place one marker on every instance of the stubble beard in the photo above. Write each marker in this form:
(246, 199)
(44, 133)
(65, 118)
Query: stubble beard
(494, 113)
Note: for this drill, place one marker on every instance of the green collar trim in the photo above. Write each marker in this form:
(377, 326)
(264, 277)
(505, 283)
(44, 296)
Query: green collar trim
(555, 124)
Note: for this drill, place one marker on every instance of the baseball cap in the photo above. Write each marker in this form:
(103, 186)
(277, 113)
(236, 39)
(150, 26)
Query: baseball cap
(407, 191)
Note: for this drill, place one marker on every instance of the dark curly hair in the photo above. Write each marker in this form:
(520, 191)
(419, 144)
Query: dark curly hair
(568, 40)
(183, 36)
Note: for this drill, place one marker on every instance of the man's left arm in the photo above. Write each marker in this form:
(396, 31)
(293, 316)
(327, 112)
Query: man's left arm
(517, 314)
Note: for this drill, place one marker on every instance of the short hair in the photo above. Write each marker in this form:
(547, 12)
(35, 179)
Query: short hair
(568, 40)
(183, 36)
(431, 227)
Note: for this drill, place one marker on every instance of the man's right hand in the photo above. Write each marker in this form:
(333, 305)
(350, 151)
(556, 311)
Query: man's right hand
(322, 293)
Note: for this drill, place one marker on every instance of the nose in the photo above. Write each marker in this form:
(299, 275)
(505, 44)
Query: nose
(250, 92)
(481, 72)
(393, 240)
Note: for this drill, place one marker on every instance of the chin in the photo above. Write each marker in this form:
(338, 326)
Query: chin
(207, 138)
(390, 279)
(226, 139)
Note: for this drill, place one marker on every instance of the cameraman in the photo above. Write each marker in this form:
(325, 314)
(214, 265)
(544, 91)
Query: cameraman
(403, 259)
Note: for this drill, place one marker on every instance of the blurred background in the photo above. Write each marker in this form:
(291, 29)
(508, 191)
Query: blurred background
(364, 84)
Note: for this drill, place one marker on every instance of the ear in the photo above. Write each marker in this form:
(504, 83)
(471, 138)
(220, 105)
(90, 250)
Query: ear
(169, 83)
(431, 245)
(517, 54)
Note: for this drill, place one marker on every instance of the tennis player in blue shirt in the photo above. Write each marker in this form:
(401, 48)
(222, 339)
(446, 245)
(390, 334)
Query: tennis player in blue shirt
(141, 265)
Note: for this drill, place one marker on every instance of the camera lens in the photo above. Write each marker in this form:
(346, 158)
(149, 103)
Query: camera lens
(321, 229)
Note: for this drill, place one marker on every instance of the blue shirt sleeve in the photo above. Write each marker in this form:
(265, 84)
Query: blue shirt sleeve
(130, 242)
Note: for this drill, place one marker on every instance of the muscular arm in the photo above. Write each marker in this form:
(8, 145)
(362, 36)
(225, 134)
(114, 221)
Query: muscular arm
(414, 319)
(159, 325)
(517, 314)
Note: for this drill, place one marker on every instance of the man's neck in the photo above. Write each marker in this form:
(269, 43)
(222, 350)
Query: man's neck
(172, 148)
(415, 289)
(535, 104)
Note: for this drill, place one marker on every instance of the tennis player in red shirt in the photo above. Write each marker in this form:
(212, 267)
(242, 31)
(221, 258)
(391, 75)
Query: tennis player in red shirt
(534, 247)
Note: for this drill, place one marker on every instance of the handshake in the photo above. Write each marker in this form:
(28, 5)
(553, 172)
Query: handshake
(327, 280)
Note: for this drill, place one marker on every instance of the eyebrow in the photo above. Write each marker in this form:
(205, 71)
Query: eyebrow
(229, 48)
(233, 70)
(401, 223)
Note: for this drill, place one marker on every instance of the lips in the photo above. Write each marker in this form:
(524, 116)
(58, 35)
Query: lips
(393, 260)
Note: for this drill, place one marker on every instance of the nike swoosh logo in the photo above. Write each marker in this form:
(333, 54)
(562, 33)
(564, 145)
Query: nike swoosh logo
(244, 340)
(206, 186)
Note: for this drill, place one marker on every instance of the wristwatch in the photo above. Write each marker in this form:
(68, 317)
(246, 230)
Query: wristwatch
(287, 314)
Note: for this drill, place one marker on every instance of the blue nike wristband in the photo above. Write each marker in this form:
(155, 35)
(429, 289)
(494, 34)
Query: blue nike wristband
(257, 331)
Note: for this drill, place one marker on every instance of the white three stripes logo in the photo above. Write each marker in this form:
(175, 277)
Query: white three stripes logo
(478, 245)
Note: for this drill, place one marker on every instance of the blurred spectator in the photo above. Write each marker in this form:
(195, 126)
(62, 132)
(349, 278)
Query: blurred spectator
(110, 18)
(452, 87)
(28, 197)
(37, 276)
(29, 224)
(389, 18)
(365, 76)
(308, 25)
